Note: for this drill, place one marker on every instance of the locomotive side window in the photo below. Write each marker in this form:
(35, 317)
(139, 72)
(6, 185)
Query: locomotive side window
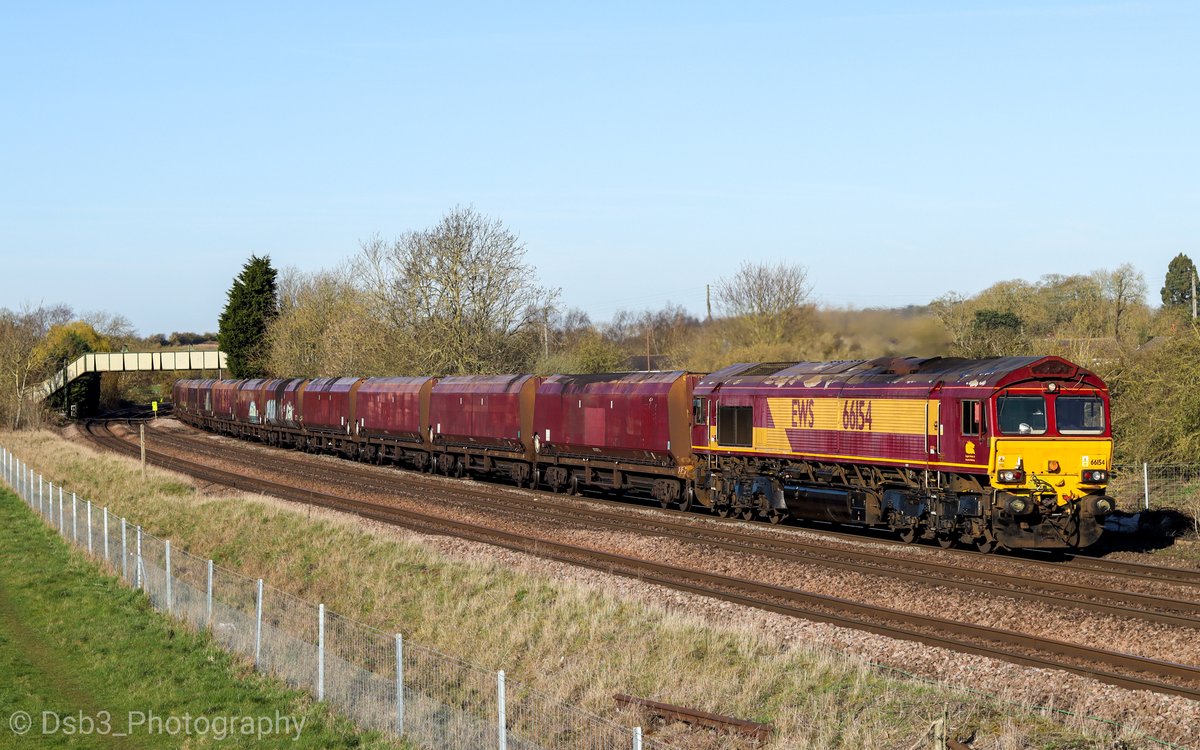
(699, 411)
(735, 426)
(1021, 415)
(972, 418)
(1079, 415)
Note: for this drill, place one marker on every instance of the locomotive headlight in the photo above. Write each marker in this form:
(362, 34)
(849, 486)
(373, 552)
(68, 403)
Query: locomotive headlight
(1010, 476)
(1102, 506)
(1018, 505)
(1094, 476)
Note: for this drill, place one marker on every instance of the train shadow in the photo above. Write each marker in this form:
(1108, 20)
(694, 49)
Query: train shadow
(1144, 531)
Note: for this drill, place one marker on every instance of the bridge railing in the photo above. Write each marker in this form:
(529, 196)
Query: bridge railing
(131, 362)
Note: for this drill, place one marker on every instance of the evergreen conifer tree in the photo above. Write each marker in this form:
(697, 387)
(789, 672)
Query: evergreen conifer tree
(252, 304)
(1177, 288)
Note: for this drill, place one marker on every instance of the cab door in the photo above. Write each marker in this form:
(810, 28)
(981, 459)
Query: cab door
(702, 419)
(934, 429)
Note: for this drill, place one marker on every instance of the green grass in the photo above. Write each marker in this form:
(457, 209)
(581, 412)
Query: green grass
(76, 643)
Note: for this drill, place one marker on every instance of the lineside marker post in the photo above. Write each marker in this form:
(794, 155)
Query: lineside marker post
(501, 720)
(1146, 482)
(320, 652)
(399, 685)
(258, 622)
(142, 440)
(208, 617)
(89, 509)
(168, 564)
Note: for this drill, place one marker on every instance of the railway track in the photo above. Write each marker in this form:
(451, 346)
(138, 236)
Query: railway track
(1044, 585)
(1112, 667)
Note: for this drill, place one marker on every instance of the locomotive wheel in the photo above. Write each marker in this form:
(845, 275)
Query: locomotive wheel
(776, 516)
(723, 511)
(749, 514)
(908, 535)
(986, 544)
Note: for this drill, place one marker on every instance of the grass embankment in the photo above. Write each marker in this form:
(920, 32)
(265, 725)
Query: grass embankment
(88, 660)
(576, 644)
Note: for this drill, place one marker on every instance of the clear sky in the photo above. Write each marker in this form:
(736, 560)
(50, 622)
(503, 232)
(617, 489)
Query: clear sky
(899, 150)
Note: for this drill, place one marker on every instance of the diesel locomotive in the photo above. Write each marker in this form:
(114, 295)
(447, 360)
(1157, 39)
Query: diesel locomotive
(1009, 452)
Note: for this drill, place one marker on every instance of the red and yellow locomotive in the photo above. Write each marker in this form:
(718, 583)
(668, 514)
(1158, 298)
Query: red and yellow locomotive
(1011, 452)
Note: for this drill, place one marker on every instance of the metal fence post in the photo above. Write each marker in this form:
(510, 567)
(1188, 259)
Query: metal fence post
(124, 554)
(106, 533)
(208, 604)
(41, 500)
(168, 566)
(637, 738)
(1146, 482)
(320, 652)
(399, 684)
(258, 623)
(89, 509)
(137, 567)
(62, 520)
(74, 519)
(501, 720)
(50, 507)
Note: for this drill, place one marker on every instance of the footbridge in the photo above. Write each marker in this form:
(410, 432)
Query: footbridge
(132, 362)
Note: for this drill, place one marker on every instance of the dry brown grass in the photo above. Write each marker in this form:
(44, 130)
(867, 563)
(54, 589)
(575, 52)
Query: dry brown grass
(579, 645)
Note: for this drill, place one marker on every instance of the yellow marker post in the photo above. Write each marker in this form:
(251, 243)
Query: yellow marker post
(154, 408)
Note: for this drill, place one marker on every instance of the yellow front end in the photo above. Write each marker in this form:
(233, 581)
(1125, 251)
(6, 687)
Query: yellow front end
(1051, 465)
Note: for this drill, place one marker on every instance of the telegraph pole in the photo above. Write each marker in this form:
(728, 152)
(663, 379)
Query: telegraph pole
(1193, 292)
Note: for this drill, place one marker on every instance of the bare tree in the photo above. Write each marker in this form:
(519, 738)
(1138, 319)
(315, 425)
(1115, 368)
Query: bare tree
(22, 357)
(459, 296)
(769, 302)
(1125, 289)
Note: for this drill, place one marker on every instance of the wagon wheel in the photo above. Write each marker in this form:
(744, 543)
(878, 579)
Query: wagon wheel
(749, 514)
(908, 535)
(945, 542)
(986, 543)
(459, 470)
(535, 478)
(573, 486)
(685, 502)
(776, 515)
(723, 511)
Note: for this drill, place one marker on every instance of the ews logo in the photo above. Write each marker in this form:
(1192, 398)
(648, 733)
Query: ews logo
(802, 413)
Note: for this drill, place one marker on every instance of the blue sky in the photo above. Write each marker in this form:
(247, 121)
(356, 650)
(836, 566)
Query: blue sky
(899, 150)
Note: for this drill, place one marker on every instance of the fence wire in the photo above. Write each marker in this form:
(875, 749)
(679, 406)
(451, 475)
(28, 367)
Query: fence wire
(377, 679)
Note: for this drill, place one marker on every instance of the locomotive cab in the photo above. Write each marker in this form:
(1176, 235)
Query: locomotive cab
(1050, 457)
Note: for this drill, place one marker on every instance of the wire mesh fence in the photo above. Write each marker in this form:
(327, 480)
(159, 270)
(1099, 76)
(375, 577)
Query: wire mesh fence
(377, 679)
(1157, 485)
